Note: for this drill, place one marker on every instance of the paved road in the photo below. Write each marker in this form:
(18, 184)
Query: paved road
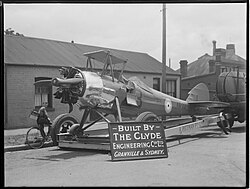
(209, 159)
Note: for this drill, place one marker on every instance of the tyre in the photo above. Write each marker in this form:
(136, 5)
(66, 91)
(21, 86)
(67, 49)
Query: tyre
(241, 117)
(61, 125)
(147, 116)
(34, 138)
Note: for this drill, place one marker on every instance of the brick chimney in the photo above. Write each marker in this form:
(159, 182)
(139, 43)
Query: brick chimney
(183, 65)
(211, 66)
(217, 69)
(219, 54)
(214, 47)
(230, 50)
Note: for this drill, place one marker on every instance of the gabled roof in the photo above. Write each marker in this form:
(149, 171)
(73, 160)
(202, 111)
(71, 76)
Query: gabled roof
(22, 50)
(201, 65)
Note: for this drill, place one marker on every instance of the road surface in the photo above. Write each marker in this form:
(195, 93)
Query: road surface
(209, 158)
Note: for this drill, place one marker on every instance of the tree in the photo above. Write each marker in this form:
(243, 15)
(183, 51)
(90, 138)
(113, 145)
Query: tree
(9, 31)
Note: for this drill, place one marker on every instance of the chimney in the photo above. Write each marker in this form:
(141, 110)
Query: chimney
(230, 50)
(211, 66)
(217, 69)
(214, 47)
(183, 65)
(219, 54)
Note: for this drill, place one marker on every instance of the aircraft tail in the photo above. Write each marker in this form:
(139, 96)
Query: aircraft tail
(199, 93)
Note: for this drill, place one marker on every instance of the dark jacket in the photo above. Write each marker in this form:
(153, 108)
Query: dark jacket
(43, 119)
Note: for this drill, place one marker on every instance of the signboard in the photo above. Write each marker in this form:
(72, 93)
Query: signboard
(137, 140)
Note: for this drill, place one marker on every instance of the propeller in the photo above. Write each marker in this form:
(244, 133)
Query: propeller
(71, 87)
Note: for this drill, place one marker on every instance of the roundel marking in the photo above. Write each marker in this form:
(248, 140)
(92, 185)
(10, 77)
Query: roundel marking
(168, 105)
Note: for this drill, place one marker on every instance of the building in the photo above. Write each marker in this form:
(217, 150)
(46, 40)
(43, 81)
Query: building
(207, 68)
(27, 60)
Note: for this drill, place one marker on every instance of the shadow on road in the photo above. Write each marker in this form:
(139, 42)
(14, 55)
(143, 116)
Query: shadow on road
(68, 154)
(239, 129)
(234, 129)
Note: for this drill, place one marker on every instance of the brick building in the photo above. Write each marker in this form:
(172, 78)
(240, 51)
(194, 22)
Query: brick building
(27, 60)
(207, 68)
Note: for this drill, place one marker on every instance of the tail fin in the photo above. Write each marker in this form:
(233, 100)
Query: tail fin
(199, 93)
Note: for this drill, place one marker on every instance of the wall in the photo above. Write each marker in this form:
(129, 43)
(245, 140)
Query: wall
(20, 92)
(148, 79)
(209, 79)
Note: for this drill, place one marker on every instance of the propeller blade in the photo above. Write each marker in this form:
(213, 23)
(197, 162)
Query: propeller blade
(43, 82)
(72, 81)
(70, 107)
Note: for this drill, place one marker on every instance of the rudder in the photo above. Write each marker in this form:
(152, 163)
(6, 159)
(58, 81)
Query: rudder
(199, 93)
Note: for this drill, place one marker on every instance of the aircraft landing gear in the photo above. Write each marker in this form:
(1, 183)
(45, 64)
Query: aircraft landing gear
(60, 125)
(147, 116)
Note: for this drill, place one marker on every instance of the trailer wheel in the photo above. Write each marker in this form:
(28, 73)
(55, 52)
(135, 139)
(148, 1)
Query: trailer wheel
(241, 117)
(147, 116)
(60, 125)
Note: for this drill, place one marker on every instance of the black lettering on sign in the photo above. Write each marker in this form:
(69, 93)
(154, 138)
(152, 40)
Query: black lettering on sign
(137, 140)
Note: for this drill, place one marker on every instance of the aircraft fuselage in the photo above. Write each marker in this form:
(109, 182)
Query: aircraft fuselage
(134, 97)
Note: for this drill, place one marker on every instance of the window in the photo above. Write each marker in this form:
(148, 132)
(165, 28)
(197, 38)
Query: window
(156, 84)
(171, 87)
(43, 93)
(223, 69)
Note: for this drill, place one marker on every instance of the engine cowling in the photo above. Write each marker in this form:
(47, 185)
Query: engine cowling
(71, 87)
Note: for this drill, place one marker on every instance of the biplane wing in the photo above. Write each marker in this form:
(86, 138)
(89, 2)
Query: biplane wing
(105, 56)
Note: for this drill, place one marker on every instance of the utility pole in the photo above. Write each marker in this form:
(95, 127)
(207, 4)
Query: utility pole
(163, 88)
(164, 49)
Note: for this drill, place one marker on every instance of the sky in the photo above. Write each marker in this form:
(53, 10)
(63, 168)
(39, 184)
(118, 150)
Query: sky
(190, 28)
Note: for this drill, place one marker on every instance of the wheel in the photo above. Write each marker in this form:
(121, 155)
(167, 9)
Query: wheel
(61, 125)
(147, 116)
(73, 129)
(34, 138)
(241, 117)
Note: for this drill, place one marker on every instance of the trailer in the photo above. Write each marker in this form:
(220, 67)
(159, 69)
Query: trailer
(97, 137)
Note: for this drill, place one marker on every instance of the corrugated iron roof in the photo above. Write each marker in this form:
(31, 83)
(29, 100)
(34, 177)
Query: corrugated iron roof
(200, 66)
(35, 51)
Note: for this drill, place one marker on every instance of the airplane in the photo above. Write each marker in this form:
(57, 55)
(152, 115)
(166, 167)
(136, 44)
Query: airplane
(231, 88)
(110, 93)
